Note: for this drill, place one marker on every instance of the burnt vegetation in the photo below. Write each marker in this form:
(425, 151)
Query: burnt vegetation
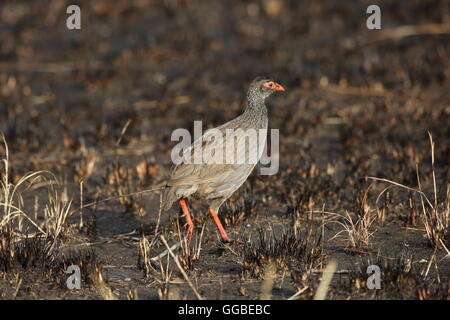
(292, 249)
(364, 149)
(240, 208)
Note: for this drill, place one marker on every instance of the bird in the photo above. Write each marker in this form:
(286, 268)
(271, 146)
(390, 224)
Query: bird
(213, 181)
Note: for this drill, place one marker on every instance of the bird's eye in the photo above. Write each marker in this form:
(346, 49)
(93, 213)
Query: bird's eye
(269, 84)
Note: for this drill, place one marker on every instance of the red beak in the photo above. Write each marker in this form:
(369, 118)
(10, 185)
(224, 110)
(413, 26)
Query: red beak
(279, 87)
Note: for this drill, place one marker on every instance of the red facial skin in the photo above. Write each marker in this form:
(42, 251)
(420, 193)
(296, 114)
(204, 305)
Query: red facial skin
(273, 85)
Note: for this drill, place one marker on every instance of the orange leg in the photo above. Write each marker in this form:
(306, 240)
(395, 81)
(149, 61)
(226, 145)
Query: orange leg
(187, 216)
(220, 227)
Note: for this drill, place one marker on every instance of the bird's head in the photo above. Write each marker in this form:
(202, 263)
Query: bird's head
(264, 87)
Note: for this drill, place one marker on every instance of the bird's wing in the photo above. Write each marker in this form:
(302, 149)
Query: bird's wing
(214, 149)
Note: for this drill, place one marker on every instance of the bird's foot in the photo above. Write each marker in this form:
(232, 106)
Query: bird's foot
(189, 232)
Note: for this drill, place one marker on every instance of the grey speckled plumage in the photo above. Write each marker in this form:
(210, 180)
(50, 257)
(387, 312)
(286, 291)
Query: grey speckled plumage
(216, 182)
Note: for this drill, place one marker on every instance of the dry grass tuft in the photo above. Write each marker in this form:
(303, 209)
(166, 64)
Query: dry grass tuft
(435, 217)
(101, 285)
(358, 230)
(293, 249)
(401, 278)
(13, 218)
(234, 212)
(190, 253)
(144, 256)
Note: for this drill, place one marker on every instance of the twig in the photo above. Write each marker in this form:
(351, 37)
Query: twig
(177, 262)
(403, 186)
(165, 252)
(429, 263)
(159, 215)
(157, 187)
(298, 293)
(412, 30)
(122, 133)
(81, 205)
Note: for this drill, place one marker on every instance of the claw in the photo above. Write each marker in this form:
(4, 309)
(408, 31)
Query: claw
(189, 232)
(223, 233)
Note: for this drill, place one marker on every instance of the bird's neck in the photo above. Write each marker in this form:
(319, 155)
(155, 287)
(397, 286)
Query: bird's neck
(255, 104)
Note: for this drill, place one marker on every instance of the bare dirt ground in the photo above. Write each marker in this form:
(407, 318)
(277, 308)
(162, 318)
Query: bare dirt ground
(98, 106)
